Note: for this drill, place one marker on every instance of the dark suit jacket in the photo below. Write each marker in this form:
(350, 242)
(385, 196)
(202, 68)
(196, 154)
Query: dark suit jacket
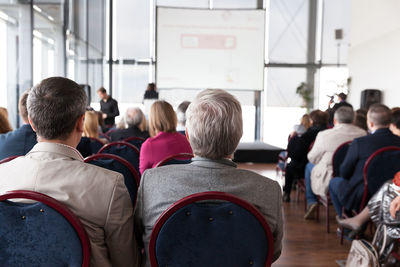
(18, 142)
(121, 134)
(353, 164)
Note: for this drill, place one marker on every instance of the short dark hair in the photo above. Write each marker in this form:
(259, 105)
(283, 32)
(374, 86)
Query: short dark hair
(343, 96)
(319, 117)
(396, 118)
(23, 110)
(54, 106)
(380, 115)
(102, 90)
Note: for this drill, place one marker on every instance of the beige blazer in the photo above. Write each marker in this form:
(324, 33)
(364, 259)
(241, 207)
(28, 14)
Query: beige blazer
(322, 152)
(96, 195)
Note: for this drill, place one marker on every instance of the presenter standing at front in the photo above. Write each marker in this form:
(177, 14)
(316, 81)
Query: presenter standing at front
(109, 107)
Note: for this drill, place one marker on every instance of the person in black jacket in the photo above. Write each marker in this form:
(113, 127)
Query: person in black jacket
(108, 106)
(298, 148)
(135, 120)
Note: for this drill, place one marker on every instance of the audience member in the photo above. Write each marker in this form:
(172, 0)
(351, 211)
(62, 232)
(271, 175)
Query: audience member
(319, 169)
(108, 106)
(165, 141)
(214, 126)
(361, 121)
(134, 118)
(20, 141)
(181, 115)
(99, 197)
(91, 126)
(346, 191)
(301, 128)
(5, 125)
(298, 148)
(395, 125)
(341, 102)
(151, 92)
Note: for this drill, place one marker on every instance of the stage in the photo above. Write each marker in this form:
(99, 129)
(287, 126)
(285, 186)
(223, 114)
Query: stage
(259, 152)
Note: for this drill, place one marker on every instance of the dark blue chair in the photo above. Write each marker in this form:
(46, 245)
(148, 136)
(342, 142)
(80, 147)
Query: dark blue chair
(211, 229)
(44, 233)
(136, 141)
(125, 150)
(180, 158)
(88, 146)
(118, 164)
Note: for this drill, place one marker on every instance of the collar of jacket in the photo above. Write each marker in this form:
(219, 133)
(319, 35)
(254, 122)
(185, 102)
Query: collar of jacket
(213, 163)
(56, 148)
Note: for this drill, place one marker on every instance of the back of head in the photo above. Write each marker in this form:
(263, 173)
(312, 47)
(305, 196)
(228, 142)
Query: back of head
(344, 114)
(342, 96)
(214, 124)
(162, 118)
(396, 118)
(5, 125)
(380, 115)
(181, 111)
(91, 125)
(23, 109)
(54, 106)
(319, 118)
(134, 117)
(361, 121)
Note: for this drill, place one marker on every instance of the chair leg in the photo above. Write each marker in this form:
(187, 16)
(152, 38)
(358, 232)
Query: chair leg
(327, 218)
(341, 235)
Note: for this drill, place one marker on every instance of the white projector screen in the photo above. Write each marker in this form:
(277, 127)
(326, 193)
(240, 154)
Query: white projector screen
(201, 48)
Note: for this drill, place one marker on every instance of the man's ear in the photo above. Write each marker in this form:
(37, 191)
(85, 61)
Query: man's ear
(80, 123)
(31, 123)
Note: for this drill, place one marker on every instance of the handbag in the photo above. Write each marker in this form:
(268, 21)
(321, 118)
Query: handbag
(362, 254)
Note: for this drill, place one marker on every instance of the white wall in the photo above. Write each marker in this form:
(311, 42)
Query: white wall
(374, 56)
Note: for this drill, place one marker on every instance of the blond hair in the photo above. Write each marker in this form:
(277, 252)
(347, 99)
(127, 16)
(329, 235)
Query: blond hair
(91, 125)
(5, 126)
(162, 118)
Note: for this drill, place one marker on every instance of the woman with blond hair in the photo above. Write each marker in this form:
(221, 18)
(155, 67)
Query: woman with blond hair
(5, 126)
(164, 140)
(91, 126)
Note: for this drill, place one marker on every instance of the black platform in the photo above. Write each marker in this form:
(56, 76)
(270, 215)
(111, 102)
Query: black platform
(258, 152)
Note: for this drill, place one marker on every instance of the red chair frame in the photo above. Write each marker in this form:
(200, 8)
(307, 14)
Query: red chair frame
(117, 158)
(175, 156)
(10, 158)
(60, 208)
(365, 171)
(133, 138)
(210, 195)
(118, 143)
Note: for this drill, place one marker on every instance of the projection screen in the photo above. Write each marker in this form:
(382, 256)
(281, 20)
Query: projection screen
(201, 48)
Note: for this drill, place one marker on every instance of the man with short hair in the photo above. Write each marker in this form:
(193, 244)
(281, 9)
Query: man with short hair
(109, 107)
(181, 116)
(347, 190)
(134, 118)
(214, 127)
(319, 169)
(20, 141)
(56, 108)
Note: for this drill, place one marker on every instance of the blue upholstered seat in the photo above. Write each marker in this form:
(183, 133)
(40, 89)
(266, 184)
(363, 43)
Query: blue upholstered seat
(212, 234)
(338, 157)
(180, 158)
(125, 150)
(37, 235)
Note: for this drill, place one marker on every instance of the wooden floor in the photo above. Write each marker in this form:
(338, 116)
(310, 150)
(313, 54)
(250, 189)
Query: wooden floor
(305, 243)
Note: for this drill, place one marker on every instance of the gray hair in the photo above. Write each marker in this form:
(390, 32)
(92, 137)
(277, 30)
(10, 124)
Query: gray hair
(214, 124)
(133, 117)
(344, 115)
(181, 112)
(54, 106)
(380, 115)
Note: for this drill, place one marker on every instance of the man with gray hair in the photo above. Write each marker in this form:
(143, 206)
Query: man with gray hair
(346, 191)
(134, 118)
(56, 108)
(214, 127)
(319, 169)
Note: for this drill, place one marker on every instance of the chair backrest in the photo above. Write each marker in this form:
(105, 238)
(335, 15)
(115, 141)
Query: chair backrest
(180, 158)
(118, 164)
(44, 233)
(10, 158)
(125, 150)
(135, 140)
(338, 157)
(95, 145)
(381, 166)
(211, 229)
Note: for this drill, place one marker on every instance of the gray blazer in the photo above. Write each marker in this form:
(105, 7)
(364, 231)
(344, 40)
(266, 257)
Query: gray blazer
(161, 187)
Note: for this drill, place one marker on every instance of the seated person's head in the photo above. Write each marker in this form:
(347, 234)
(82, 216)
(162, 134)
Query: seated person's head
(56, 108)
(378, 116)
(305, 121)
(319, 118)
(343, 115)
(395, 125)
(91, 126)
(134, 117)
(5, 125)
(162, 118)
(23, 110)
(181, 112)
(214, 124)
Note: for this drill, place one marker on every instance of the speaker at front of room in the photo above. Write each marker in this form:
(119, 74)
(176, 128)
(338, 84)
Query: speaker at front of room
(369, 97)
